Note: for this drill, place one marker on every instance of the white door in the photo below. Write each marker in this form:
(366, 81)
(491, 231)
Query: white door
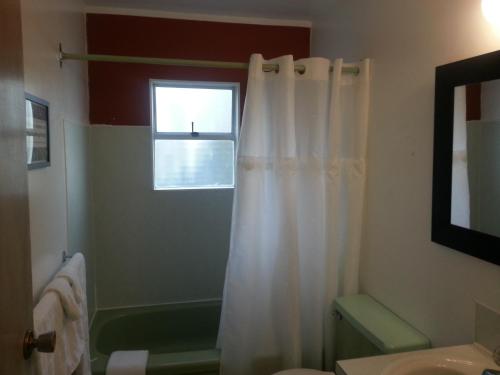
(16, 310)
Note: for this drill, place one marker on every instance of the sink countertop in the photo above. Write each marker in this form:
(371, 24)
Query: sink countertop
(375, 365)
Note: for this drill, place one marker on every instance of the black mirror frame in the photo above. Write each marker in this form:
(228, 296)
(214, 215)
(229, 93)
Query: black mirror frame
(474, 70)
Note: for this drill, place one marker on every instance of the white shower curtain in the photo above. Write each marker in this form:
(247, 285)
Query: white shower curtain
(297, 215)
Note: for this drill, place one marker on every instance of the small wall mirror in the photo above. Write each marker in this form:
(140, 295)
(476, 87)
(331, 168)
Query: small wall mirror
(466, 183)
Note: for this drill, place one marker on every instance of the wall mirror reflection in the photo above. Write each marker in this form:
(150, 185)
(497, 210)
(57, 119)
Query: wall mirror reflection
(475, 198)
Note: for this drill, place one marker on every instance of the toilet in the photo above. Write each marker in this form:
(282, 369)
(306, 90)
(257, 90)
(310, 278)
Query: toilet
(364, 328)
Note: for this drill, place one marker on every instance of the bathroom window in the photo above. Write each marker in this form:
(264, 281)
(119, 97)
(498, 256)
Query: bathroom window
(194, 127)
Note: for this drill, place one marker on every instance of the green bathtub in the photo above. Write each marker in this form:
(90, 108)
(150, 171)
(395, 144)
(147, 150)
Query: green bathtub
(180, 337)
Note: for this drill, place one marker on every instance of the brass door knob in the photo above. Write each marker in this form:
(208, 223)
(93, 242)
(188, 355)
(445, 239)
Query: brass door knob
(45, 343)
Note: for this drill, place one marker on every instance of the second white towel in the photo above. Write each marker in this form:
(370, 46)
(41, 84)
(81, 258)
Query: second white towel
(127, 362)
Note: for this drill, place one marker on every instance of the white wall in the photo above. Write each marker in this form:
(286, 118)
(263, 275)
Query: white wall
(460, 196)
(152, 247)
(429, 285)
(45, 24)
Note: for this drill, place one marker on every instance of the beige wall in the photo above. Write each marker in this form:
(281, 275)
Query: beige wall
(45, 24)
(431, 286)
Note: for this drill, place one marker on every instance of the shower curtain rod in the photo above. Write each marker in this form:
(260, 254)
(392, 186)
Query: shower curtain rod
(347, 68)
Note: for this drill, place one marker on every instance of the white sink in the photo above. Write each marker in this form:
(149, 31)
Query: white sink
(454, 360)
(424, 364)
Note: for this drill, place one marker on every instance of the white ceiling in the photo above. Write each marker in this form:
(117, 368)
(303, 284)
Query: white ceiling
(276, 9)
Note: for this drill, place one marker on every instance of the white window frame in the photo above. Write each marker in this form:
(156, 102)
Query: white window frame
(233, 136)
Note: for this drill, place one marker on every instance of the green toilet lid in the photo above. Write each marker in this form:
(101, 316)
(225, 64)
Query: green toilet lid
(379, 325)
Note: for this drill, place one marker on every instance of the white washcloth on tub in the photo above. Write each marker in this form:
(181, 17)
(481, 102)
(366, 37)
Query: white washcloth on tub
(127, 362)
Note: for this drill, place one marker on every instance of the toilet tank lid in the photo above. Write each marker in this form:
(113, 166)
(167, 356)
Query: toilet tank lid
(379, 325)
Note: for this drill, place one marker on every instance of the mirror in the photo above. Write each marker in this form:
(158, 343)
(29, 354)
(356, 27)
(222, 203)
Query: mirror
(475, 188)
(466, 182)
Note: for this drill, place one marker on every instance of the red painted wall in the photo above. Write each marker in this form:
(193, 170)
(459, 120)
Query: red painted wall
(473, 101)
(119, 93)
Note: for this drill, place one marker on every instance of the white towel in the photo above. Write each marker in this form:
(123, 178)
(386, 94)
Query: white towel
(48, 315)
(127, 362)
(72, 353)
(74, 272)
(71, 307)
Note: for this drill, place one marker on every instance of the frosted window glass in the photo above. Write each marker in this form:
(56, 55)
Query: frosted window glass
(194, 164)
(209, 109)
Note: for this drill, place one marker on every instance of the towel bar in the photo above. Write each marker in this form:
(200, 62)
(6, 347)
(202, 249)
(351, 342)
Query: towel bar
(65, 256)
